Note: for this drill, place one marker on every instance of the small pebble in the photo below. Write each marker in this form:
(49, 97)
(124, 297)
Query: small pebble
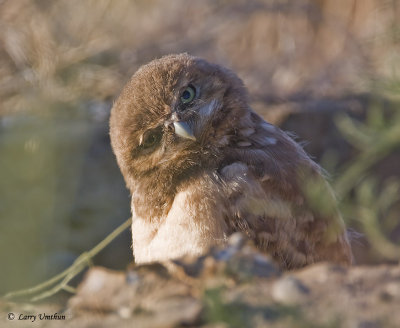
(125, 312)
(391, 291)
(237, 240)
(235, 243)
(132, 277)
(289, 291)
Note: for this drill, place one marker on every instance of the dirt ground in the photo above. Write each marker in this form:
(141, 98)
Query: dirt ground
(234, 286)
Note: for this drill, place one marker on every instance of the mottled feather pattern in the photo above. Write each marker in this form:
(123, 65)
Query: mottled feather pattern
(224, 170)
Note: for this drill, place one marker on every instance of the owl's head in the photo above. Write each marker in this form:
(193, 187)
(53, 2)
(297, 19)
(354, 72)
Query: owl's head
(172, 118)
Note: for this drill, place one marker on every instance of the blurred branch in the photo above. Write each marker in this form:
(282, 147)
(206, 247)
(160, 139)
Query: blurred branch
(371, 202)
(355, 133)
(380, 145)
(370, 207)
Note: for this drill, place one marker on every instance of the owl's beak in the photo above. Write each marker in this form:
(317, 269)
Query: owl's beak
(183, 130)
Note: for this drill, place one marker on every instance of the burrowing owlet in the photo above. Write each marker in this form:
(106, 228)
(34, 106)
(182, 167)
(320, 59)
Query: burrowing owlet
(201, 164)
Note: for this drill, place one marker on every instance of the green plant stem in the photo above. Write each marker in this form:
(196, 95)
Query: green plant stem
(389, 140)
(79, 265)
(379, 241)
(61, 285)
(70, 289)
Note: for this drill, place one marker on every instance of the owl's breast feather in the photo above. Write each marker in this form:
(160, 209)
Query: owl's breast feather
(194, 222)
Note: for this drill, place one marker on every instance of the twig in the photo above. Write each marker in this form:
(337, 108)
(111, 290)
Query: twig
(79, 265)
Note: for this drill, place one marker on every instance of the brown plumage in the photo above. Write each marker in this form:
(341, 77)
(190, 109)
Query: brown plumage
(200, 165)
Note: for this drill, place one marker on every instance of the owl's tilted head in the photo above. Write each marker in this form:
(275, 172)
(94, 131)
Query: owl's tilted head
(172, 119)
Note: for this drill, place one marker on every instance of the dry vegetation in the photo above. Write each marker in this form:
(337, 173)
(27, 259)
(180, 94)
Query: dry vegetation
(327, 70)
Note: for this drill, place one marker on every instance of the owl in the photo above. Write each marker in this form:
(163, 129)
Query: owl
(200, 165)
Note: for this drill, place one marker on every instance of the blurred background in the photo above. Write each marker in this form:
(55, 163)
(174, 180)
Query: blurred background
(329, 71)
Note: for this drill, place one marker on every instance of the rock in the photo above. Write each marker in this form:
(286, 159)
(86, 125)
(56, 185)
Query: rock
(101, 290)
(146, 295)
(289, 291)
(244, 289)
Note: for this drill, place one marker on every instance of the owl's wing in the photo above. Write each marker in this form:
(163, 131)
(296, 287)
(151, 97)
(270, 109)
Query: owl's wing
(280, 198)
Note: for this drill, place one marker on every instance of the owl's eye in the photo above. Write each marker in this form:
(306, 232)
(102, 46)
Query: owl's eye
(151, 138)
(188, 94)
